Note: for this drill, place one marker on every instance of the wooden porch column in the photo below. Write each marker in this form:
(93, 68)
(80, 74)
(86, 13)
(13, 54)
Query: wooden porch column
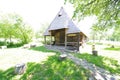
(78, 42)
(50, 38)
(45, 40)
(65, 39)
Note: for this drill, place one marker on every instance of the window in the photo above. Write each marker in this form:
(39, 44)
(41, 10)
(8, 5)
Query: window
(59, 15)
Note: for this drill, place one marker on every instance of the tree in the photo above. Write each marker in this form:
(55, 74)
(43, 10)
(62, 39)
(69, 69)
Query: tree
(107, 12)
(116, 34)
(23, 31)
(39, 33)
(99, 31)
(12, 26)
(6, 27)
(26, 34)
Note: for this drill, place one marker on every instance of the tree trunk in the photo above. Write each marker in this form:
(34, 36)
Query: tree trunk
(5, 42)
(10, 39)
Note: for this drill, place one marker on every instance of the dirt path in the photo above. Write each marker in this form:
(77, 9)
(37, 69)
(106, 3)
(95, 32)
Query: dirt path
(11, 57)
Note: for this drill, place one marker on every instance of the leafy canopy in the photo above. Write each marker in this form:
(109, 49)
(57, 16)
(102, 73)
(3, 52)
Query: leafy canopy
(12, 26)
(107, 12)
(104, 9)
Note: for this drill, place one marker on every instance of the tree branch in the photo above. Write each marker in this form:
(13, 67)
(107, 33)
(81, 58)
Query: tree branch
(90, 3)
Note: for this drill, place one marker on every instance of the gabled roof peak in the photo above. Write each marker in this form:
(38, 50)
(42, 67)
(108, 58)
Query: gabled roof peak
(62, 11)
(61, 21)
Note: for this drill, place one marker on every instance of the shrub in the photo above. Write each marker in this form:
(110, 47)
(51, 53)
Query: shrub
(2, 43)
(14, 45)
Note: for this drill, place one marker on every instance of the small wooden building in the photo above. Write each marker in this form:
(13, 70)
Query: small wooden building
(65, 32)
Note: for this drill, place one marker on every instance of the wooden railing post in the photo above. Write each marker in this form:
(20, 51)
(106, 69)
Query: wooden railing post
(45, 39)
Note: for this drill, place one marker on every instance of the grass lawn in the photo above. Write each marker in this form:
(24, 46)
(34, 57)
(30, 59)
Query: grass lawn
(11, 57)
(113, 49)
(50, 69)
(107, 63)
(53, 69)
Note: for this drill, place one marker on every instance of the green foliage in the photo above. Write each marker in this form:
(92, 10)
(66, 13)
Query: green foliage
(107, 12)
(116, 34)
(39, 33)
(2, 43)
(96, 43)
(113, 49)
(7, 75)
(53, 69)
(47, 41)
(48, 38)
(100, 8)
(103, 62)
(43, 49)
(99, 32)
(14, 45)
(11, 44)
(12, 26)
(26, 34)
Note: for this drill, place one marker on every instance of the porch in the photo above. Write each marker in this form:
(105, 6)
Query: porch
(71, 41)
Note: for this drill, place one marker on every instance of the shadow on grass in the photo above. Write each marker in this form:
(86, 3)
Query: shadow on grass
(54, 69)
(107, 63)
(112, 49)
(7, 75)
(42, 49)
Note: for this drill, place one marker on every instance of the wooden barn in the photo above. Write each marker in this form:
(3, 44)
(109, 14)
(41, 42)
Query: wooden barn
(65, 32)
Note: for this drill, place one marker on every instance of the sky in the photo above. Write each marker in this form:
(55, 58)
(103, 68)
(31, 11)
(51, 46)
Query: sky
(38, 12)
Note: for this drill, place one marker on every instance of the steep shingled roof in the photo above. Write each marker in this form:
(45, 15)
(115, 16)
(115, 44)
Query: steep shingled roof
(61, 21)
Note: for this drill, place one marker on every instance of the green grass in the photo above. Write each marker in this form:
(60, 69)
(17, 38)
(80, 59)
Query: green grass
(103, 62)
(2, 43)
(11, 45)
(7, 75)
(113, 49)
(51, 69)
(42, 49)
(96, 43)
(54, 69)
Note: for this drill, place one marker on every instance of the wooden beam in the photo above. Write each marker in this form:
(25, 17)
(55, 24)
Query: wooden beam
(50, 38)
(78, 42)
(45, 39)
(65, 39)
(72, 42)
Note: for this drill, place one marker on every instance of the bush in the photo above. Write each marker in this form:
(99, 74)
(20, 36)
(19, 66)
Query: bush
(47, 42)
(2, 43)
(14, 45)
